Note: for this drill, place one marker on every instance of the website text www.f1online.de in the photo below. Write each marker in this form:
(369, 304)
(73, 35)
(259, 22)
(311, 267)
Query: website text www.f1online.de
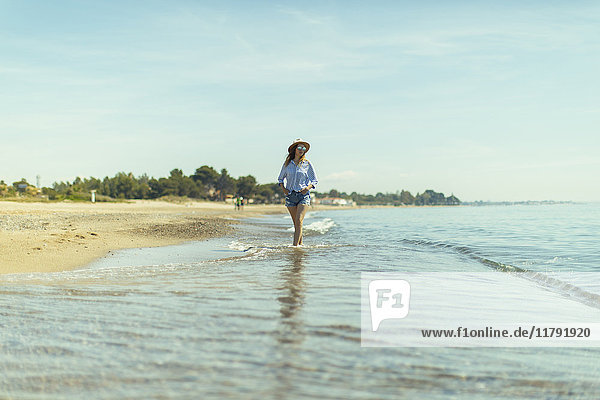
(531, 332)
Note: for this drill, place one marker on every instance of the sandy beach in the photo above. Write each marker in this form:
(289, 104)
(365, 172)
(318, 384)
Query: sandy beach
(46, 237)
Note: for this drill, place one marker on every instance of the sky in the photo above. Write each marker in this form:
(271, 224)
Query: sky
(495, 100)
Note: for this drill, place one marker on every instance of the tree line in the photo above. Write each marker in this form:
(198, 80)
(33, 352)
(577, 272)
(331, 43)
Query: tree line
(205, 183)
(404, 197)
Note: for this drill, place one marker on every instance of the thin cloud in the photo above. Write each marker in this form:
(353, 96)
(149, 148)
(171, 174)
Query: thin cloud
(305, 17)
(342, 176)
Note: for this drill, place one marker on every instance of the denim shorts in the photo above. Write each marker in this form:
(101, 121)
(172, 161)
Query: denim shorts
(295, 198)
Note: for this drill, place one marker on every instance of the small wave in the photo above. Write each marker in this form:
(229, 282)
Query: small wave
(239, 246)
(321, 226)
(558, 259)
(562, 287)
(246, 247)
(553, 284)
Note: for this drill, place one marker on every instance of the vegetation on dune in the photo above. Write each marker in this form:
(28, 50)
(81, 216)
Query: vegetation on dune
(205, 184)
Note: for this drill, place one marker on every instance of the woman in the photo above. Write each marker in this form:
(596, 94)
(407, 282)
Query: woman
(300, 178)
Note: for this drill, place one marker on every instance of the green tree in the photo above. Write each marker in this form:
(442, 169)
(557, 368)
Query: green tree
(166, 187)
(452, 200)
(406, 197)
(207, 176)
(51, 193)
(267, 193)
(225, 184)
(142, 190)
(246, 186)
(334, 193)
(177, 183)
(206, 179)
(430, 198)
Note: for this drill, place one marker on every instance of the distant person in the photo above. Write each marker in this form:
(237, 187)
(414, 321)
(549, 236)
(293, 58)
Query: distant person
(300, 178)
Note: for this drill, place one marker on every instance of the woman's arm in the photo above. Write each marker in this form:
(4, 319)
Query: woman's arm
(312, 176)
(282, 174)
(312, 179)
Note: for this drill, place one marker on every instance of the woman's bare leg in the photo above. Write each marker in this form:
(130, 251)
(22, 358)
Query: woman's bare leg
(293, 212)
(300, 213)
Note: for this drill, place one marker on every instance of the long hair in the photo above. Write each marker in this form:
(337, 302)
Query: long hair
(292, 154)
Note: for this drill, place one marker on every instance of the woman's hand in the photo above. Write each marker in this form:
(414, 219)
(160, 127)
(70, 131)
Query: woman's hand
(285, 191)
(305, 190)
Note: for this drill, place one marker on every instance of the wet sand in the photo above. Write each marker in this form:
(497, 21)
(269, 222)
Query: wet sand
(47, 237)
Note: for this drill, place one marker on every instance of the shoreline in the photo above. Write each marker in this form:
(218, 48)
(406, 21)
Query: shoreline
(53, 237)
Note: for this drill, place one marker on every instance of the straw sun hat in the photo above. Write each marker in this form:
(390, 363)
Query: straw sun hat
(298, 141)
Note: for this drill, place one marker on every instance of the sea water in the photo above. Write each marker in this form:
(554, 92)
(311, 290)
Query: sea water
(249, 316)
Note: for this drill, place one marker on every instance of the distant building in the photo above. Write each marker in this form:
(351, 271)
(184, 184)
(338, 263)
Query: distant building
(335, 201)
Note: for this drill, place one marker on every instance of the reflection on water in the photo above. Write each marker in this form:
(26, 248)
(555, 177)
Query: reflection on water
(290, 331)
(291, 299)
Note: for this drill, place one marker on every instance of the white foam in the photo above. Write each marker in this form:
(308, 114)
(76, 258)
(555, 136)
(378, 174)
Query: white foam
(321, 226)
(558, 259)
(235, 245)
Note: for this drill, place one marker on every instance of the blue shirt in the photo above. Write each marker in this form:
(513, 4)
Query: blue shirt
(298, 177)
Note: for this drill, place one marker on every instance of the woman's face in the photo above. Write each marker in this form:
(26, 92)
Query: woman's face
(300, 149)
